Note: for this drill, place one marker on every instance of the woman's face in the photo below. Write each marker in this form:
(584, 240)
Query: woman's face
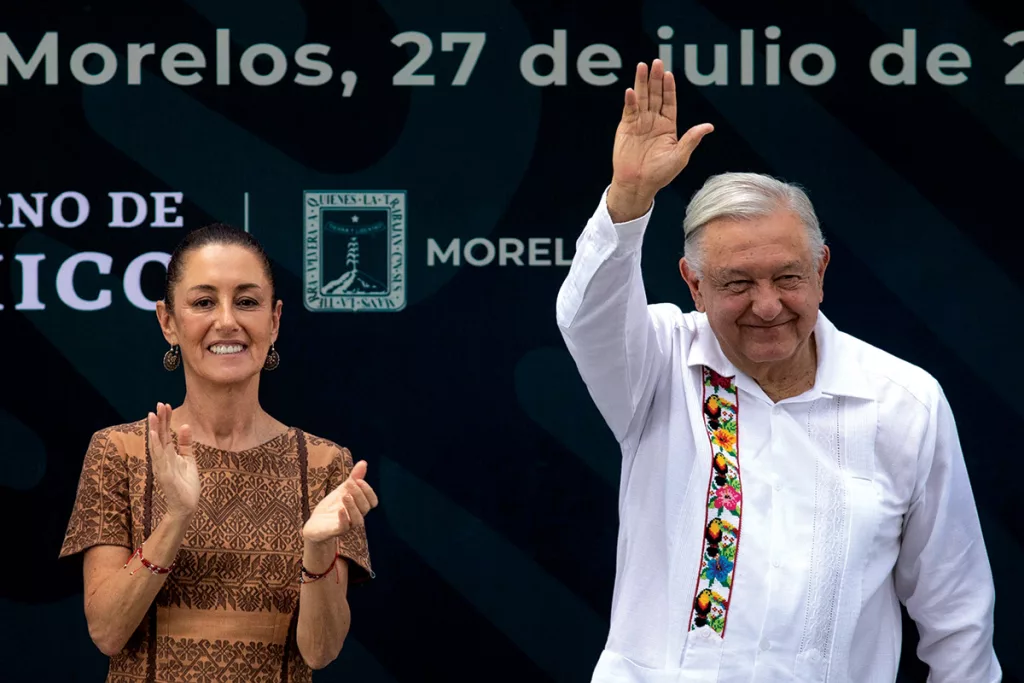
(223, 318)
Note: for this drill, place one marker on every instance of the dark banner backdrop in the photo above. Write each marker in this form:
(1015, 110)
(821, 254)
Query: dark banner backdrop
(419, 174)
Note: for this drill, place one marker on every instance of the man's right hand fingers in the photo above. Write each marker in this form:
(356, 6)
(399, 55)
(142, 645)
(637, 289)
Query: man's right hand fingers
(668, 98)
(640, 86)
(656, 86)
(630, 110)
(692, 138)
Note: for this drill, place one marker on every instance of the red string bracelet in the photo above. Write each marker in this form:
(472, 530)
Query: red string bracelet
(156, 569)
(305, 576)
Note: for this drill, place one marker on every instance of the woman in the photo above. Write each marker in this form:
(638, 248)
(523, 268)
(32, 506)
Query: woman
(218, 542)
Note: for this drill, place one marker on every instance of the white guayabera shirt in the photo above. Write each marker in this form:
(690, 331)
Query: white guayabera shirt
(766, 542)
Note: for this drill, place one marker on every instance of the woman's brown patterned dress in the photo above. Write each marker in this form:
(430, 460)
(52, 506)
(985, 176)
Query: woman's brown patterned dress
(228, 610)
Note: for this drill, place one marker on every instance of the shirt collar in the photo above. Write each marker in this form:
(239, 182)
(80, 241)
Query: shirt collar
(834, 377)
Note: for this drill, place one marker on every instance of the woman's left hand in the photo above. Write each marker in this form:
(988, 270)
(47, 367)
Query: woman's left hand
(342, 509)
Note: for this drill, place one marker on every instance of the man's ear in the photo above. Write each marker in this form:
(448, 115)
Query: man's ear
(825, 256)
(693, 281)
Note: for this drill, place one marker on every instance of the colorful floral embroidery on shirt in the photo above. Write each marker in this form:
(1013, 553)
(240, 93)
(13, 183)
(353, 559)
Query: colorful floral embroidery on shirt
(725, 503)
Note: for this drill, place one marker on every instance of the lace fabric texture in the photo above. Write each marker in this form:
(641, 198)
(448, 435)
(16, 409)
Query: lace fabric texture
(829, 531)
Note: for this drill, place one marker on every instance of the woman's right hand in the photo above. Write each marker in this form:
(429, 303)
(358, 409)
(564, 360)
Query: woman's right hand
(175, 470)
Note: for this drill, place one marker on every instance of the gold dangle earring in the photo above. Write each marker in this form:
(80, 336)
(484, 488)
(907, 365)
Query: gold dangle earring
(172, 359)
(273, 359)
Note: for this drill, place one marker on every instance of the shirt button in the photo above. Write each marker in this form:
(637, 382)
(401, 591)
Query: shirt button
(778, 486)
(706, 634)
(765, 645)
(776, 563)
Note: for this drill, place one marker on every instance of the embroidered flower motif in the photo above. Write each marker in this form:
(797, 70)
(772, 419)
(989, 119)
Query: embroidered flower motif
(719, 382)
(724, 439)
(719, 569)
(727, 497)
(724, 505)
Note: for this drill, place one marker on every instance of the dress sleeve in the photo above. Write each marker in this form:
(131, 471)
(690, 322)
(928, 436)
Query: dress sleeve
(352, 545)
(102, 511)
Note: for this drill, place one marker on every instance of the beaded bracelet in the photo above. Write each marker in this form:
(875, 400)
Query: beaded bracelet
(306, 576)
(156, 569)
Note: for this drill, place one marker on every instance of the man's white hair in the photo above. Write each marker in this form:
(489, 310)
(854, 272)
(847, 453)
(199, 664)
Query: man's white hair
(743, 196)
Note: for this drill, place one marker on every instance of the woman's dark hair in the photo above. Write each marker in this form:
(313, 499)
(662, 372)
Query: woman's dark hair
(215, 233)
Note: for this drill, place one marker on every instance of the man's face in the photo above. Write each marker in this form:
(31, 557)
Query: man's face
(761, 286)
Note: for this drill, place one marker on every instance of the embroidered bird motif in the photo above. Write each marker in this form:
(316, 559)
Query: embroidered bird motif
(721, 466)
(714, 536)
(702, 606)
(727, 525)
(713, 409)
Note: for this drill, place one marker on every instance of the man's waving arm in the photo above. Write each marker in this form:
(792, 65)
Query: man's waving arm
(602, 307)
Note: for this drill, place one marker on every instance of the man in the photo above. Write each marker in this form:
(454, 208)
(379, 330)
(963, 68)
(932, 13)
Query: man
(784, 485)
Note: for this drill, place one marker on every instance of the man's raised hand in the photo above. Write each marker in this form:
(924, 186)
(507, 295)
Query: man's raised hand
(648, 154)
